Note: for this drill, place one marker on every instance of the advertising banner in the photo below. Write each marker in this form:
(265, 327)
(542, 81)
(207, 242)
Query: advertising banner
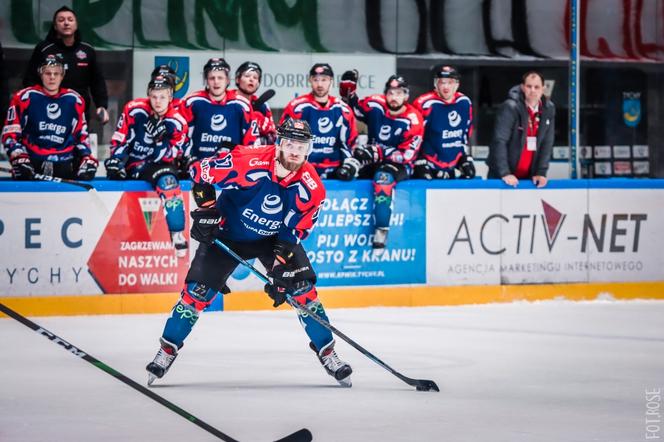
(466, 233)
(134, 253)
(286, 73)
(339, 247)
(47, 238)
(544, 236)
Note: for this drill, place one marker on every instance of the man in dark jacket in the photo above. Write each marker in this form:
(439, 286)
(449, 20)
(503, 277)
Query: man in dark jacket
(523, 134)
(4, 87)
(83, 73)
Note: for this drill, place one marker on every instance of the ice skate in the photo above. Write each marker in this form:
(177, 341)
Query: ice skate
(380, 240)
(162, 361)
(179, 243)
(334, 366)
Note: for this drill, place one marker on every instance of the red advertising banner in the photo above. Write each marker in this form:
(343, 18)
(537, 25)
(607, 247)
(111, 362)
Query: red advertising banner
(134, 253)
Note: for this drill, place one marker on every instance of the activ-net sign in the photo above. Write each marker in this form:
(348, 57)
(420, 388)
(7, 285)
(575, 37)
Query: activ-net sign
(541, 236)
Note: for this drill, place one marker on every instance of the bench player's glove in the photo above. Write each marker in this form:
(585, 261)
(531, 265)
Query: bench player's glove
(467, 167)
(348, 84)
(156, 128)
(22, 168)
(88, 168)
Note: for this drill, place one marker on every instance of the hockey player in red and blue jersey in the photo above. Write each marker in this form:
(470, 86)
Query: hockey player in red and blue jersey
(147, 138)
(270, 201)
(331, 120)
(45, 130)
(448, 118)
(394, 135)
(248, 79)
(218, 119)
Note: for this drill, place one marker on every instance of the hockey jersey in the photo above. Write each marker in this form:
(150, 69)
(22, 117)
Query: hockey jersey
(332, 126)
(132, 144)
(46, 127)
(215, 124)
(398, 136)
(254, 203)
(447, 128)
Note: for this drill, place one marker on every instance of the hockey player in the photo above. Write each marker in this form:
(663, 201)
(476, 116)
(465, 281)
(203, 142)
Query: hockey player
(218, 119)
(448, 117)
(269, 202)
(395, 131)
(331, 120)
(46, 131)
(248, 79)
(148, 135)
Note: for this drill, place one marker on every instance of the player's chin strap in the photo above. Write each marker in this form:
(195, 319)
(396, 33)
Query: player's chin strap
(419, 384)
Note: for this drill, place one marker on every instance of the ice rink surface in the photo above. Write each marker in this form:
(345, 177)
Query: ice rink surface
(548, 371)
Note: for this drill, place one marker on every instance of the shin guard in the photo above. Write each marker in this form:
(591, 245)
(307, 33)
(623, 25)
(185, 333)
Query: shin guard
(168, 189)
(195, 298)
(308, 297)
(383, 183)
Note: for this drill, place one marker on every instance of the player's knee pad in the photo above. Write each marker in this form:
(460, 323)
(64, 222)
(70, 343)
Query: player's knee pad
(383, 177)
(384, 181)
(198, 296)
(305, 293)
(167, 185)
(168, 189)
(308, 297)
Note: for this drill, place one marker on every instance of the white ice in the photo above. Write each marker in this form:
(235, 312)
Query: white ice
(548, 371)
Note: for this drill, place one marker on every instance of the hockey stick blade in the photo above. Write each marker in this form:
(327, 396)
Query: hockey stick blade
(419, 384)
(302, 435)
(265, 96)
(42, 177)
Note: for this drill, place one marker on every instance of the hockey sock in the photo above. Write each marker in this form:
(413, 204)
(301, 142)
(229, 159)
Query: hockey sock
(308, 297)
(168, 190)
(195, 298)
(384, 184)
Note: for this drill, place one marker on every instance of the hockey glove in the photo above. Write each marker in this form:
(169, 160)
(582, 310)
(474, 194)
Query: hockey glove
(22, 168)
(88, 168)
(115, 169)
(467, 167)
(348, 84)
(188, 163)
(423, 169)
(286, 281)
(156, 128)
(204, 224)
(348, 170)
(277, 292)
(369, 154)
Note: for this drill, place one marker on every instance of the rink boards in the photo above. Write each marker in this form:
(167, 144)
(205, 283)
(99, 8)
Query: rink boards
(69, 251)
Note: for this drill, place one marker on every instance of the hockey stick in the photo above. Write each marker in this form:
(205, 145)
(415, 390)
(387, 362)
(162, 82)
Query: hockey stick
(53, 179)
(419, 384)
(302, 435)
(263, 98)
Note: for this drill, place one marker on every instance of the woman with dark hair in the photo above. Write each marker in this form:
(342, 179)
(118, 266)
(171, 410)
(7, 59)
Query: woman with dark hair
(82, 70)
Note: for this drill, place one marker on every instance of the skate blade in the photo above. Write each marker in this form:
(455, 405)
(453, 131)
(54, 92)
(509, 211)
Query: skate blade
(151, 379)
(345, 382)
